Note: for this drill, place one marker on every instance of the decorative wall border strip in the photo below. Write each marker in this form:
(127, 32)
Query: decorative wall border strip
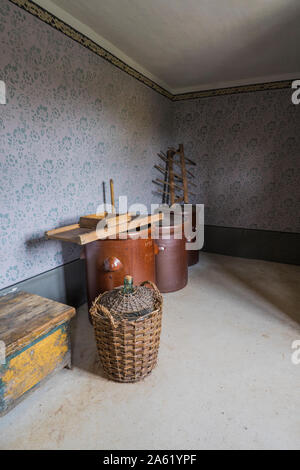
(69, 31)
(234, 90)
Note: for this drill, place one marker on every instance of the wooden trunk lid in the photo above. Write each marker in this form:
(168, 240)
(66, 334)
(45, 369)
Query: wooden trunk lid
(25, 317)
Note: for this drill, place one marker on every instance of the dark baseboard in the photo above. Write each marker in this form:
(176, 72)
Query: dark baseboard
(67, 283)
(281, 247)
(64, 284)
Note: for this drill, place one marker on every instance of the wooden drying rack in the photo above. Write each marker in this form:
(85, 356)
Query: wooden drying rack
(174, 182)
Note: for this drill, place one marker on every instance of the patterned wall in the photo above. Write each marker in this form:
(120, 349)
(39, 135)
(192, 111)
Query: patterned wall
(72, 120)
(247, 148)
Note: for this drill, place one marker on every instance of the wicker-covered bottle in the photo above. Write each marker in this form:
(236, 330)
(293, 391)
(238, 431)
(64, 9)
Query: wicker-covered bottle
(127, 325)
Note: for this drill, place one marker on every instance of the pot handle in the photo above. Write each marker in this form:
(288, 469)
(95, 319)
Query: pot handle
(158, 248)
(112, 264)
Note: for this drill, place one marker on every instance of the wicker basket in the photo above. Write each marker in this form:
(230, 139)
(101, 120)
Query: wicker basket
(128, 333)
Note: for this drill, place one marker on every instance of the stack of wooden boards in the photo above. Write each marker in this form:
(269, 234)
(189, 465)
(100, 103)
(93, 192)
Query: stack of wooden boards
(175, 185)
(111, 224)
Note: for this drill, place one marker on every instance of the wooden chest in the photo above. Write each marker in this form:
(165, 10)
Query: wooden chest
(34, 343)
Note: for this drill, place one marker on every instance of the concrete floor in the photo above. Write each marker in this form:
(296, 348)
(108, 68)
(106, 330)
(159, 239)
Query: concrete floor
(225, 379)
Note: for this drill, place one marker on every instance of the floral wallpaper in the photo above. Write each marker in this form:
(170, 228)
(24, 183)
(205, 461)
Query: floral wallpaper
(247, 149)
(72, 121)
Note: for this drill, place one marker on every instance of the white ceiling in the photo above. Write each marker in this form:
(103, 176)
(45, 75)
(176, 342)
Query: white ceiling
(191, 45)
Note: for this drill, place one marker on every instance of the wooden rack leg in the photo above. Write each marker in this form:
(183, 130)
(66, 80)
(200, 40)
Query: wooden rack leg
(184, 177)
(165, 198)
(171, 176)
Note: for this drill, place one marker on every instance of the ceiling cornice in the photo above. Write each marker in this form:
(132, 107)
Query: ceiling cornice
(52, 7)
(71, 32)
(278, 85)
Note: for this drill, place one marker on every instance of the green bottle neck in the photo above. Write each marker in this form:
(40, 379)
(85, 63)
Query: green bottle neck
(128, 285)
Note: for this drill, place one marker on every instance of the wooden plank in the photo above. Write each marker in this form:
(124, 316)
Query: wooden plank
(25, 317)
(135, 222)
(91, 221)
(82, 236)
(69, 233)
(98, 216)
(94, 235)
(141, 220)
(60, 229)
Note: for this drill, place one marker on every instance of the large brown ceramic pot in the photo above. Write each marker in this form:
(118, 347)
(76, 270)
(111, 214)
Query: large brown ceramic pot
(108, 261)
(171, 260)
(193, 255)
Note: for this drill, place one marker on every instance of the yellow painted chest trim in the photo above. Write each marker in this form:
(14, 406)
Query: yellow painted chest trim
(29, 367)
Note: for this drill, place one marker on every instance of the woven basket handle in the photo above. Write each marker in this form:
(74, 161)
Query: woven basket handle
(154, 287)
(108, 315)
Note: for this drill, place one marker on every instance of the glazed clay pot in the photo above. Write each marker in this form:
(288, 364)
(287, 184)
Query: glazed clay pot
(193, 255)
(171, 260)
(108, 261)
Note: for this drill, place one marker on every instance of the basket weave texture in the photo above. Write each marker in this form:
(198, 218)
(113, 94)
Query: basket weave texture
(128, 333)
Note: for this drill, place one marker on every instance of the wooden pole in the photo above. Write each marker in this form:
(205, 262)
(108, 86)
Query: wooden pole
(175, 163)
(104, 196)
(112, 195)
(188, 160)
(171, 176)
(158, 167)
(165, 197)
(183, 169)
